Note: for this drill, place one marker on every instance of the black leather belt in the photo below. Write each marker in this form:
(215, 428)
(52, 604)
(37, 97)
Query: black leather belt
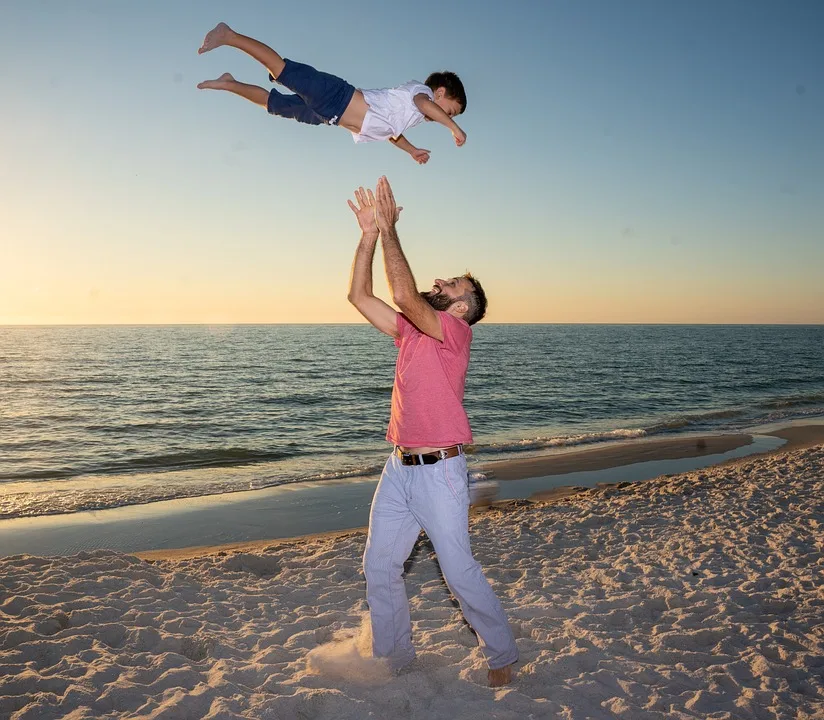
(428, 458)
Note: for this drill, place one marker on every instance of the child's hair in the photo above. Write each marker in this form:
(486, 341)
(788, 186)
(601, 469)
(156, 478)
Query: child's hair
(451, 83)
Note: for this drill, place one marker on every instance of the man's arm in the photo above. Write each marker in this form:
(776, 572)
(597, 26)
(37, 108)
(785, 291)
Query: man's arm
(434, 112)
(419, 155)
(398, 273)
(375, 310)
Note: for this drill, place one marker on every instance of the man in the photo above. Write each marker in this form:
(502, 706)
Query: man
(424, 483)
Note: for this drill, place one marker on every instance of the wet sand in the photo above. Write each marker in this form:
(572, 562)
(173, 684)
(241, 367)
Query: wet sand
(625, 453)
(800, 436)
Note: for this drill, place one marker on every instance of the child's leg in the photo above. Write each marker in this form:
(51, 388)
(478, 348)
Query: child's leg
(326, 95)
(222, 34)
(257, 95)
(288, 106)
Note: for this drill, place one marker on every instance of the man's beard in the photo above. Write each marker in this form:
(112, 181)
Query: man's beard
(439, 301)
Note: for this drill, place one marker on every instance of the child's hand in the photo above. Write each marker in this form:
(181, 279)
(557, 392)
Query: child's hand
(365, 211)
(420, 156)
(459, 135)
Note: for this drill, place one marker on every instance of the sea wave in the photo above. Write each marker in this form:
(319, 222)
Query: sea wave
(193, 459)
(360, 471)
(539, 442)
(793, 401)
(76, 495)
(680, 422)
(795, 414)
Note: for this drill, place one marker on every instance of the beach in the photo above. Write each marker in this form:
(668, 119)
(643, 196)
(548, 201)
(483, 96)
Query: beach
(236, 380)
(697, 595)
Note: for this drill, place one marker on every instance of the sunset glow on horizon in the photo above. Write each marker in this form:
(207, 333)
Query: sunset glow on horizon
(633, 164)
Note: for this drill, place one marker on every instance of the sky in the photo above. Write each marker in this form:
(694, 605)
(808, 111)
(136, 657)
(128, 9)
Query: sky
(633, 162)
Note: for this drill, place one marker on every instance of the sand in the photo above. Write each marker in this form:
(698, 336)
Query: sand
(693, 596)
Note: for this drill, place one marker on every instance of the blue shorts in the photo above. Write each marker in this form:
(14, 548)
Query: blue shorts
(319, 98)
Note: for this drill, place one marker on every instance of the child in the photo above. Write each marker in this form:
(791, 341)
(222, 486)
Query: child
(320, 98)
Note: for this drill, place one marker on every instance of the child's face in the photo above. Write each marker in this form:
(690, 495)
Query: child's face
(450, 106)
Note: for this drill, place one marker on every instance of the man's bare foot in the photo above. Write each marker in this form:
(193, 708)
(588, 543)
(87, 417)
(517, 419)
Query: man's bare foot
(500, 676)
(216, 37)
(219, 84)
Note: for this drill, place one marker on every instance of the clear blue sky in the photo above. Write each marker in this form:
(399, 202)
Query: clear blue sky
(626, 161)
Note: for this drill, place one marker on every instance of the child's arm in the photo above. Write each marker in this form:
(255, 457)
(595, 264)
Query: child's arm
(433, 112)
(419, 155)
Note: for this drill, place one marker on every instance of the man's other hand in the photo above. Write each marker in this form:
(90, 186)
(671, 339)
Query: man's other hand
(365, 211)
(387, 212)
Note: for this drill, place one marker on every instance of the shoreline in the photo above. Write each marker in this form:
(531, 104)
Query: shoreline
(627, 452)
(797, 438)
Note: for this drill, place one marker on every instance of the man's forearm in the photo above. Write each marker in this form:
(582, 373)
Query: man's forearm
(398, 273)
(360, 284)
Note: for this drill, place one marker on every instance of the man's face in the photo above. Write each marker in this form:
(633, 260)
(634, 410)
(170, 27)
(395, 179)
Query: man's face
(445, 292)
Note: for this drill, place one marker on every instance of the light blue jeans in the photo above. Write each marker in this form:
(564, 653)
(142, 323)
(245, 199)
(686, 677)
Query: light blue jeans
(435, 498)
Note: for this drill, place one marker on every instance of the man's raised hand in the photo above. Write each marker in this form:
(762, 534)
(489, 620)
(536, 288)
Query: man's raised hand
(386, 212)
(365, 211)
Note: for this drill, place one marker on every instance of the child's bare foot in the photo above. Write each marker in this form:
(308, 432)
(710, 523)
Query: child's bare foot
(500, 676)
(219, 84)
(216, 37)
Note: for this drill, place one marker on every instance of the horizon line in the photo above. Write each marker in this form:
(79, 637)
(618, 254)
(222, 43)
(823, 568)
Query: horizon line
(358, 324)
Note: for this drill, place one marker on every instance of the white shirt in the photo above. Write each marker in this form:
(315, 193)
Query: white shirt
(392, 111)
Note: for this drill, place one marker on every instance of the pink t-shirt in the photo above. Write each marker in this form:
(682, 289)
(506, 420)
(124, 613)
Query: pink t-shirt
(427, 399)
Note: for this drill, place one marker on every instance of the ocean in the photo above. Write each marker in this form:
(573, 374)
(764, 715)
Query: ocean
(93, 417)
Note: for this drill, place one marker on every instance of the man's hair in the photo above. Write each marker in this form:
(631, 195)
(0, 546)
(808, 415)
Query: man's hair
(451, 83)
(475, 299)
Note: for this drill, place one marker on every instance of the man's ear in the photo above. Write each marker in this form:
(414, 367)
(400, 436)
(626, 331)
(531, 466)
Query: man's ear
(439, 93)
(459, 308)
